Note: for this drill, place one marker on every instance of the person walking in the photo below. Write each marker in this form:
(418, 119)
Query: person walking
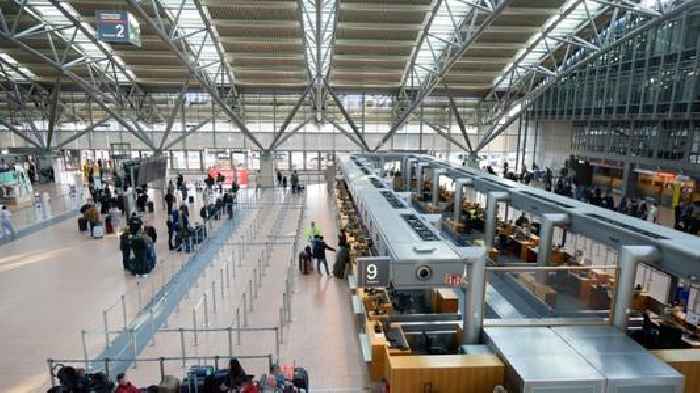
(279, 178)
(228, 202)
(295, 181)
(319, 247)
(6, 223)
(284, 182)
(171, 187)
(169, 200)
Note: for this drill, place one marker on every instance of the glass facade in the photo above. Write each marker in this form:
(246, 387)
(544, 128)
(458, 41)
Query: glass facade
(652, 74)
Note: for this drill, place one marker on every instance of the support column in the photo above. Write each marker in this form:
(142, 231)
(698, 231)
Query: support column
(419, 178)
(629, 180)
(549, 221)
(630, 257)
(459, 190)
(407, 173)
(473, 304)
(266, 175)
(491, 210)
(436, 189)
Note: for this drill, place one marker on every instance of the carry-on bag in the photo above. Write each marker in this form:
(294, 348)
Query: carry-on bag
(82, 224)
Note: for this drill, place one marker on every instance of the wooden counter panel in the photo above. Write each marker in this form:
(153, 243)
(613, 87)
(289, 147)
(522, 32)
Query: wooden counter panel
(686, 362)
(447, 374)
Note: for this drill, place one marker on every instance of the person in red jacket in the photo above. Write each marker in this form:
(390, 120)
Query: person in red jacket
(124, 386)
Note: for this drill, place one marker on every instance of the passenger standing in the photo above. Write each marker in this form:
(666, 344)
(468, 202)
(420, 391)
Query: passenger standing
(134, 224)
(342, 239)
(295, 181)
(6, 223)
(180, 181)
(171, 187)
(169, 201)
(284, 182)
(319, 247)
(228, 202)
(279, 178)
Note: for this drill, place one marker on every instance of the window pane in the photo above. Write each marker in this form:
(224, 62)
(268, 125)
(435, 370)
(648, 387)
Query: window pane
(193, 159)
(179, 161)
(282, 160)
(312, 160)
(297, 160)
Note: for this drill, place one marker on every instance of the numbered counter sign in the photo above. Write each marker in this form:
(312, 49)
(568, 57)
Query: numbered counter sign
(373, 272)
(118, 27)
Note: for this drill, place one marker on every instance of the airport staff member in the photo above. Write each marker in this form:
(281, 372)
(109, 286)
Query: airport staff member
(311, 232)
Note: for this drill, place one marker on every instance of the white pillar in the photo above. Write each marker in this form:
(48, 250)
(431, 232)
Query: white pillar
(266, 175)
(630, 257)
(458, 196)
(436, 189)
(491, 211)
(473, 304)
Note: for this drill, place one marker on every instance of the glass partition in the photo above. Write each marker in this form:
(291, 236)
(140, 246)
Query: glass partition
(532, 292)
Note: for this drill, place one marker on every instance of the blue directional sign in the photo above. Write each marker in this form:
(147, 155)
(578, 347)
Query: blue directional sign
(118, 27)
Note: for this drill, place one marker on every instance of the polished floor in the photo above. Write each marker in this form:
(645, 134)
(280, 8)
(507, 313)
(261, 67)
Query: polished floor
(56, 282)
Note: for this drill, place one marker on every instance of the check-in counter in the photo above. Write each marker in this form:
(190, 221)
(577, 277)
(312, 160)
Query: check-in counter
(686, 362)
(444, 374)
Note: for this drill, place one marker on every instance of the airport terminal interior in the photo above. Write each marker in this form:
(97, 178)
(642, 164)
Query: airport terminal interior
(381, 196)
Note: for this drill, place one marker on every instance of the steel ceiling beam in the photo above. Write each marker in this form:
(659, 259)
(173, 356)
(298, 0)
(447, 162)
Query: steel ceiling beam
(345, 132)
(410, 68)
(179, 105)
(509, 109)
(189, 57)
(138, 100)
(445, 133)
(347, 117)
(20, 134)
(462, 38)
(460, 123)
(290, 117)
(53, 111)
(83, 132)
(90, 87)
(293, 131)
(214, 38)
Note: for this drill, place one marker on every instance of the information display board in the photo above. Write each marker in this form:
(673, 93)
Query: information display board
(118, 27)
(373, 272)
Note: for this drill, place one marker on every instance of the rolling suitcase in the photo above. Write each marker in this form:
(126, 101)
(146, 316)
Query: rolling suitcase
(108, 225)
(301, 379)
(98, 231)
(82, 224)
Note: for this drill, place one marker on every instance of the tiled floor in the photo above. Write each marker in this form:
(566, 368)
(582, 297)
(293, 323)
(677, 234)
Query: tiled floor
(56, 282)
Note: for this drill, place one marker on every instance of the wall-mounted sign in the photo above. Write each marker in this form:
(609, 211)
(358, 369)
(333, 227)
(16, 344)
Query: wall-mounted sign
(118, 27)
(373, 272)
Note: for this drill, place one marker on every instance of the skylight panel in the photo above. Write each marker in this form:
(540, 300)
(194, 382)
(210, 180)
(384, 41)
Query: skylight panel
(191, 25)
(440, 34)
